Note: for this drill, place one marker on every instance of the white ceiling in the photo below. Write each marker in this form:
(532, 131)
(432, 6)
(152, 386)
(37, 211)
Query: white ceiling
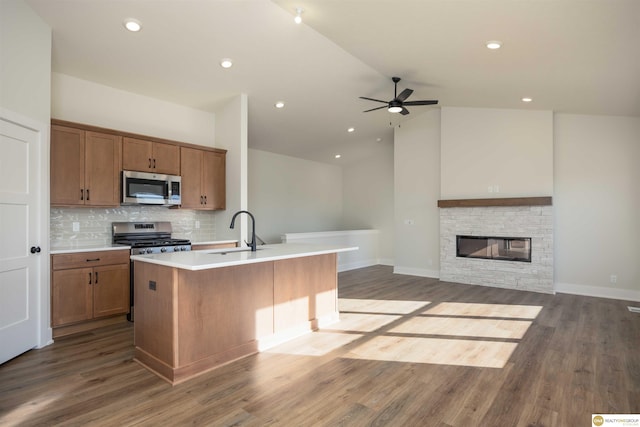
(570, 56)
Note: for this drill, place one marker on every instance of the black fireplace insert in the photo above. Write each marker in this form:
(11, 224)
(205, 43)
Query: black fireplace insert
(491, 247)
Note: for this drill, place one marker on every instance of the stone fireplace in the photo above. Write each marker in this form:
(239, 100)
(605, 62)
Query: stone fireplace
(528, 223)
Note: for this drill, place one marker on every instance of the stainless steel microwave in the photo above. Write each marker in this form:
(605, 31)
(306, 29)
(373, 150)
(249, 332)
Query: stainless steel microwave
(143, 188)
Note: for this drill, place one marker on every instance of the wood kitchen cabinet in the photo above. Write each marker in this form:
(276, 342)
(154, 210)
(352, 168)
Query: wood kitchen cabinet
(203, 178)
(87, 287)
(150, 156)
(85, 167)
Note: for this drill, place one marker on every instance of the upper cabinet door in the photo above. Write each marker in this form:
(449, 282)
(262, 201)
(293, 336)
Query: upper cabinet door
(166, 158)
(67, 166)
(191, 172)
(137, 155)
(148, 156)
(214, 180)
(103, 153)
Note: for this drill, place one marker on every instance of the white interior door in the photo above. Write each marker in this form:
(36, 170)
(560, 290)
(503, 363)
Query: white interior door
(20, 200)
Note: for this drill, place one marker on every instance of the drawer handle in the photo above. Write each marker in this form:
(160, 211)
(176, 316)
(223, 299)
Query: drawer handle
(94, 259)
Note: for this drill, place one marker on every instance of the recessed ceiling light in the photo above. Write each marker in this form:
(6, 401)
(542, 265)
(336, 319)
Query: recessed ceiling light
(132, 25)
(337, 156)
(226, 63)
(494, 44)
(350, 130)
(279, 104)
(298, 18)
(378, 139)
(527, 99)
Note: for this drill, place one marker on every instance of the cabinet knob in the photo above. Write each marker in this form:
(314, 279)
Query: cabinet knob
(35, 249)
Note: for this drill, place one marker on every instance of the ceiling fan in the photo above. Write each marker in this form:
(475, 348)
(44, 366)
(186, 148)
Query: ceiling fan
(397, 104)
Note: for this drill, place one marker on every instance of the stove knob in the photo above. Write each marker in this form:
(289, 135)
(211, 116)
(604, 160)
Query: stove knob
(176, 249)
(149, 250)
(163, 250)
(184, 248)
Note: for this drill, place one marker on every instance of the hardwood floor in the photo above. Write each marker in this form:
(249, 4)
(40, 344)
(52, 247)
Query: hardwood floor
(408, 351)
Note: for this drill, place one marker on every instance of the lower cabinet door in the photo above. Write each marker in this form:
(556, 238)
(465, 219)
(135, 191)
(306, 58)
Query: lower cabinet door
(71, 296)
(111, 290)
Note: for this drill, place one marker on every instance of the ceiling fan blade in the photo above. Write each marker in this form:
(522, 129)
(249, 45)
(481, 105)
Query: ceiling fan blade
(371, 99)
(420, 102)
(404, 95)
(404, 111)
(373, 109)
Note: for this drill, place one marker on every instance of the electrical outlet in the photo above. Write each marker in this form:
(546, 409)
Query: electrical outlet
(613, 278)
(490, 189)
(76, 226)
(496, 188)
(197, 224)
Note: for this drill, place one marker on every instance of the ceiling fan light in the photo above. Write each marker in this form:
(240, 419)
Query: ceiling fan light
(298, 17)
(494, 44)
(394, 109)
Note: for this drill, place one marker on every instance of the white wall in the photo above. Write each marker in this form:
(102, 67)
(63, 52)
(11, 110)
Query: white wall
(82, 101)
(231, 134)
(509, 150)
(597, 205)
(417, 190)
(367, 199)
(25, 55)
(290, 195)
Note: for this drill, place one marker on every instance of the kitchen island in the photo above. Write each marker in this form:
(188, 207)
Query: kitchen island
(198, 310)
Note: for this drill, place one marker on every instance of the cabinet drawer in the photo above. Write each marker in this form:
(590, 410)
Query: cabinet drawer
(89, 259)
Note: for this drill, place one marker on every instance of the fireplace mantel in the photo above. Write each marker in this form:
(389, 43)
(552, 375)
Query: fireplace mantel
(507, 201)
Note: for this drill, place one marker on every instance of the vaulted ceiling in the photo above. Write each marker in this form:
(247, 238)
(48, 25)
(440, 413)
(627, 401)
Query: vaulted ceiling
(569, 56)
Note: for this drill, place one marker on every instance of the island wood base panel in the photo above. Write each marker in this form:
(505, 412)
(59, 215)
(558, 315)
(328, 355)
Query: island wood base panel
(178, 375)
(189, 322)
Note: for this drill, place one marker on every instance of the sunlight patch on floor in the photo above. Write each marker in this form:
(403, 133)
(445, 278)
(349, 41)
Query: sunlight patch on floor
(459, 352)
(317, 343)
(380, 306)
(485, 310)
(481, 328)
(361, 322)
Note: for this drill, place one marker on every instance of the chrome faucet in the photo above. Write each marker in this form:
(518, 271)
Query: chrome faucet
(252, 243)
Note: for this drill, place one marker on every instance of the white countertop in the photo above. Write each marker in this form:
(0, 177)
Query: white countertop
(216, 258)
(90, 248)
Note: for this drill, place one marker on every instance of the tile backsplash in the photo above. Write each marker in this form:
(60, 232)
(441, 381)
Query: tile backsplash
(95, 224)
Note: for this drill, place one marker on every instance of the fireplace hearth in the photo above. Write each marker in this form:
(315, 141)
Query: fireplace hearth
(497, 248)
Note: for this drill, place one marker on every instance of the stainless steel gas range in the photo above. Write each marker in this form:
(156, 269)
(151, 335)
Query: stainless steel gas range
(146, 238)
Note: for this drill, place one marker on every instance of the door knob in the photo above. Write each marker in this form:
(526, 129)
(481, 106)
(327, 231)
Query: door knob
(35, 249)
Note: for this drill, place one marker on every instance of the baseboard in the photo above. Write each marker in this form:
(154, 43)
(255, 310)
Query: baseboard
(597, 291)
(411, 271)
(386, 261)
